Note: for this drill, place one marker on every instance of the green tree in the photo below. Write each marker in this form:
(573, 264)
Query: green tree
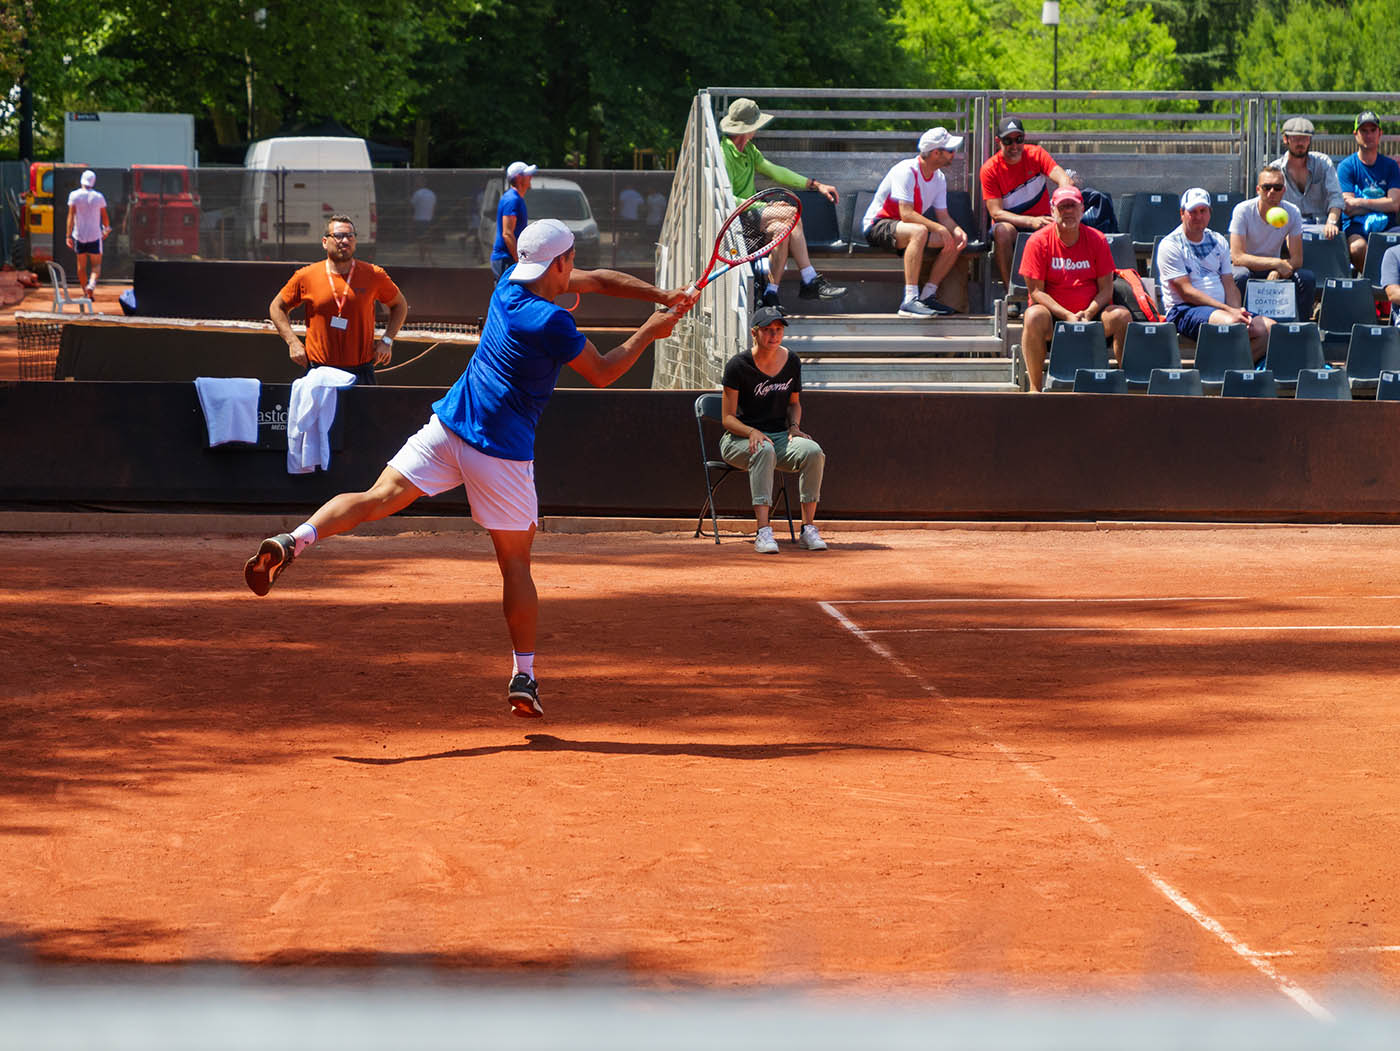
(1320, 45)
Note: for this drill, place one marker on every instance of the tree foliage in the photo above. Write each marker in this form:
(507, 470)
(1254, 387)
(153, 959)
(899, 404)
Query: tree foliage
(1321, 45)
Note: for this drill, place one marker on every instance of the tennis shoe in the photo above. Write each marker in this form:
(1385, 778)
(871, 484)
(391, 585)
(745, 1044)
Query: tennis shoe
(764, 543)
(770, 299)
(524, 696)
(939, 308)
(914, 308)
(275, 554)
(820, 288)
(811, 539)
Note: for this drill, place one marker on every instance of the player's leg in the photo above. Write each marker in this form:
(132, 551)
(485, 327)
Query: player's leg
(1356, 246)
(82, 258)
(805, 458)
(760, 466)
(1115, 320)
(1004, 247)
(1259, 326)
(1035, 344)
(520, 603)
(910, 240)
(943, 264)
(94, 270)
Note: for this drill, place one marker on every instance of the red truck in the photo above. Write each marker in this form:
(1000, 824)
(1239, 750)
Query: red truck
(162, 212)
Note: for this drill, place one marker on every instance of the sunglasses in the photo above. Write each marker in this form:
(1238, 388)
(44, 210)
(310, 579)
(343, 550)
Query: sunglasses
(1013, 140)
(1271, 187)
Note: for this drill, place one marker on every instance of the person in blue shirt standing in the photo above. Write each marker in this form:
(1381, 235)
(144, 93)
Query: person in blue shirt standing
(1370, 188)
(481, 435)
(511, 216)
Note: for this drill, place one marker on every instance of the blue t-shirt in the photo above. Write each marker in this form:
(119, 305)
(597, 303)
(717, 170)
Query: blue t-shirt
(512, 203)
(1356, 177)
(496, 403)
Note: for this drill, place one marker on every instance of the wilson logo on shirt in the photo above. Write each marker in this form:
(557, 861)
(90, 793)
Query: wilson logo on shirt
(1061, 263)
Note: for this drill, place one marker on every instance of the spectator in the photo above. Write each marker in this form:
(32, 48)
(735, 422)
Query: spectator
(1257, 246)
(1390, 281)
(629, 204)
(1068, 267)
(1193, 265)
(897, 221)
(656, 209)
(511, 216)
(340, 308)
(1370, 184)
(762, 420)
(1017, 182)
(424, 204)
(88, 226)
(1310, 178)
(742, 160)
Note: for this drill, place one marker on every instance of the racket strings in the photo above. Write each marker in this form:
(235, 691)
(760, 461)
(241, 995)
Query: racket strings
(753, 231)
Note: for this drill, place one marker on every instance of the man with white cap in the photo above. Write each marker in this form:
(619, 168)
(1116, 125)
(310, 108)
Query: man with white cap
(1068, 267)
(742, 160)
(898, 221)
(1310, 178)
(1197, 283)
(511, 215)
(88, 225)
(481, 435)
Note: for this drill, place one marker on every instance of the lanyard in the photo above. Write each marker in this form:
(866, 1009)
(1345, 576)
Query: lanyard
(339, 300)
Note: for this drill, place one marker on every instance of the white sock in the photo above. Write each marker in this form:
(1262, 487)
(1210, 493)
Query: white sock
(929, 289)
(809, 274)
(911, 292)
(524, 663)
(304, 535)
(772, 288)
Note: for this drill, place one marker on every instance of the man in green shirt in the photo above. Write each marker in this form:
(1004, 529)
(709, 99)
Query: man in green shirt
(742, 159)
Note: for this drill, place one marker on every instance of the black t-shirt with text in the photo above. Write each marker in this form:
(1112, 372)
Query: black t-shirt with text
(763, 399)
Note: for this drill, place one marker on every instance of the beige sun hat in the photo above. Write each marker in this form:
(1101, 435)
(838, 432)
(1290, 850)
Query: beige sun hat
(743, 117)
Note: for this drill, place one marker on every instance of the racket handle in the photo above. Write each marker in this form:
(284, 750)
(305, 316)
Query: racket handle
(692, 289)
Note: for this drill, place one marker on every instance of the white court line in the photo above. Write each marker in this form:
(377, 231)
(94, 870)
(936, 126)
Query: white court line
(1087, 600)
(1257, 960)
(1354, 950)
(1234, 628)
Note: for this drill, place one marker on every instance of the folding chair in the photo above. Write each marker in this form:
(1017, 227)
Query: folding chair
(819, 222)
(1373, 349)
(960, 208)
(1149, 345)
(1293, 346)
(1154, 215)
(1326, 256)
(1388, 387)
(1121, 245)
(1323, 384)
(1220, 348)
(1100, 381)
(1346, 301)
(1249, 383)
(857, 242)
(1376, 246)
(1175, 381)
(61, 295)
(710, 407)
(1222, 207)
(1017, 291)
(1074, 345)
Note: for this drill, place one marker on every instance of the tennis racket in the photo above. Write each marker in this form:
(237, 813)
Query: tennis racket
(752, 230)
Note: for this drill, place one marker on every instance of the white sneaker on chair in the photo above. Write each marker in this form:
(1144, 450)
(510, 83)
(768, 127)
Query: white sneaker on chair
(764, 543)
(811, 539)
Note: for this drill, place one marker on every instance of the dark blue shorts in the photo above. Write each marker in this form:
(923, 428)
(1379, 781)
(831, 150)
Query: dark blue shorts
(1189, 319)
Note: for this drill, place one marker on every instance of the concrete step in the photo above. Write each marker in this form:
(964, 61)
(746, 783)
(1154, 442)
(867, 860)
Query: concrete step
(917, 387)
(843, 372)
(813, 346)
(892, 324)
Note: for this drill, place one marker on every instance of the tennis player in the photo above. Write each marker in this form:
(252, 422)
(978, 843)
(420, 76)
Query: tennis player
(482, 433)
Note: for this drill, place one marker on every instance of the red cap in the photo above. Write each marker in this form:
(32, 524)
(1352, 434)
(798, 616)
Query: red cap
(1066, 193)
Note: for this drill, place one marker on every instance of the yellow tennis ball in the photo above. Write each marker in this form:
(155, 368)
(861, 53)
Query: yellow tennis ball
(1276, 217)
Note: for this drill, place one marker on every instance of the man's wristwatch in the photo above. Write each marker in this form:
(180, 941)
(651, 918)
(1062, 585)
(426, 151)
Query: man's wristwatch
(386, 341)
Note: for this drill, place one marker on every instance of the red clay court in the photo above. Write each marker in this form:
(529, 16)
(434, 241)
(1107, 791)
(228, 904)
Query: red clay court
(1057, 761)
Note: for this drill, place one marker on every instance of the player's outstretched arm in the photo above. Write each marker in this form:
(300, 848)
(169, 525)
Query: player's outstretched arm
(602, 370)
(624, 286)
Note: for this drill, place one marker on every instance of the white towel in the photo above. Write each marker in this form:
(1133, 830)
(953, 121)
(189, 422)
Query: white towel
(310, 413)
(230, 408)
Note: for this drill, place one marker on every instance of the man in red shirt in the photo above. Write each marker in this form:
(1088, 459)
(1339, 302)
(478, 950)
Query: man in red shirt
(1068, 268)
(340, 292)
(1017, 182)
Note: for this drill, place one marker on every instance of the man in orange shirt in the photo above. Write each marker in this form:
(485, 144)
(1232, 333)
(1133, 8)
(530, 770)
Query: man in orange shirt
(340, 293)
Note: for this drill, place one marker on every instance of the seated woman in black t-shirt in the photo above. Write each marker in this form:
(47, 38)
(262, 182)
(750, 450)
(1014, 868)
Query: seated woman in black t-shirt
(762, 413)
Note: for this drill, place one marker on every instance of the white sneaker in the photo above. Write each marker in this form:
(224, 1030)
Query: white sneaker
(811, 539)
(764, 543)
(914, 308)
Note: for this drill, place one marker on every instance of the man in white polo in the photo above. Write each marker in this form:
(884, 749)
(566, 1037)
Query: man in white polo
(897, 221)
(88, 226)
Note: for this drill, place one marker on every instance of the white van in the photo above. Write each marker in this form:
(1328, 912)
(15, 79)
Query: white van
(293, 184)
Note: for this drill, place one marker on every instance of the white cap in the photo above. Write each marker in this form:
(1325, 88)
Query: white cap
(939, 139)
(89, 179)
(1194, 198)
(520, 168)
(540, 244)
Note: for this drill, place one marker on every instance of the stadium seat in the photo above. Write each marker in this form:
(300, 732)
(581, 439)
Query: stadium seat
(1075, 345)
(819, 222)
(1388, 388)
(1220, 348)
(1124, 208)
(1018, 283)
(960, 208)
(1346, 302)
(1373, 349)
(1175, 381)
(1149, 345)
(1222, 206)
(1121, 245)
(709, 410)
(1293, 346)
(1100, 381)
(857, 242)
(1249, 383)
(1323, 384)
(1376, 246)
(1325, 256)
(1154, 215)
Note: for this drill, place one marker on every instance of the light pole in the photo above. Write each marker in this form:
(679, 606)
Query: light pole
(1050, 16)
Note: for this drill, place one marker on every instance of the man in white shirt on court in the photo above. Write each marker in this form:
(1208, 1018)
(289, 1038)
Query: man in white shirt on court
(87, 226)
(896, 221)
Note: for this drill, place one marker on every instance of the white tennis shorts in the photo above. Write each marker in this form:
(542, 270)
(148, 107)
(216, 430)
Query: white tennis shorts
(501, 493)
